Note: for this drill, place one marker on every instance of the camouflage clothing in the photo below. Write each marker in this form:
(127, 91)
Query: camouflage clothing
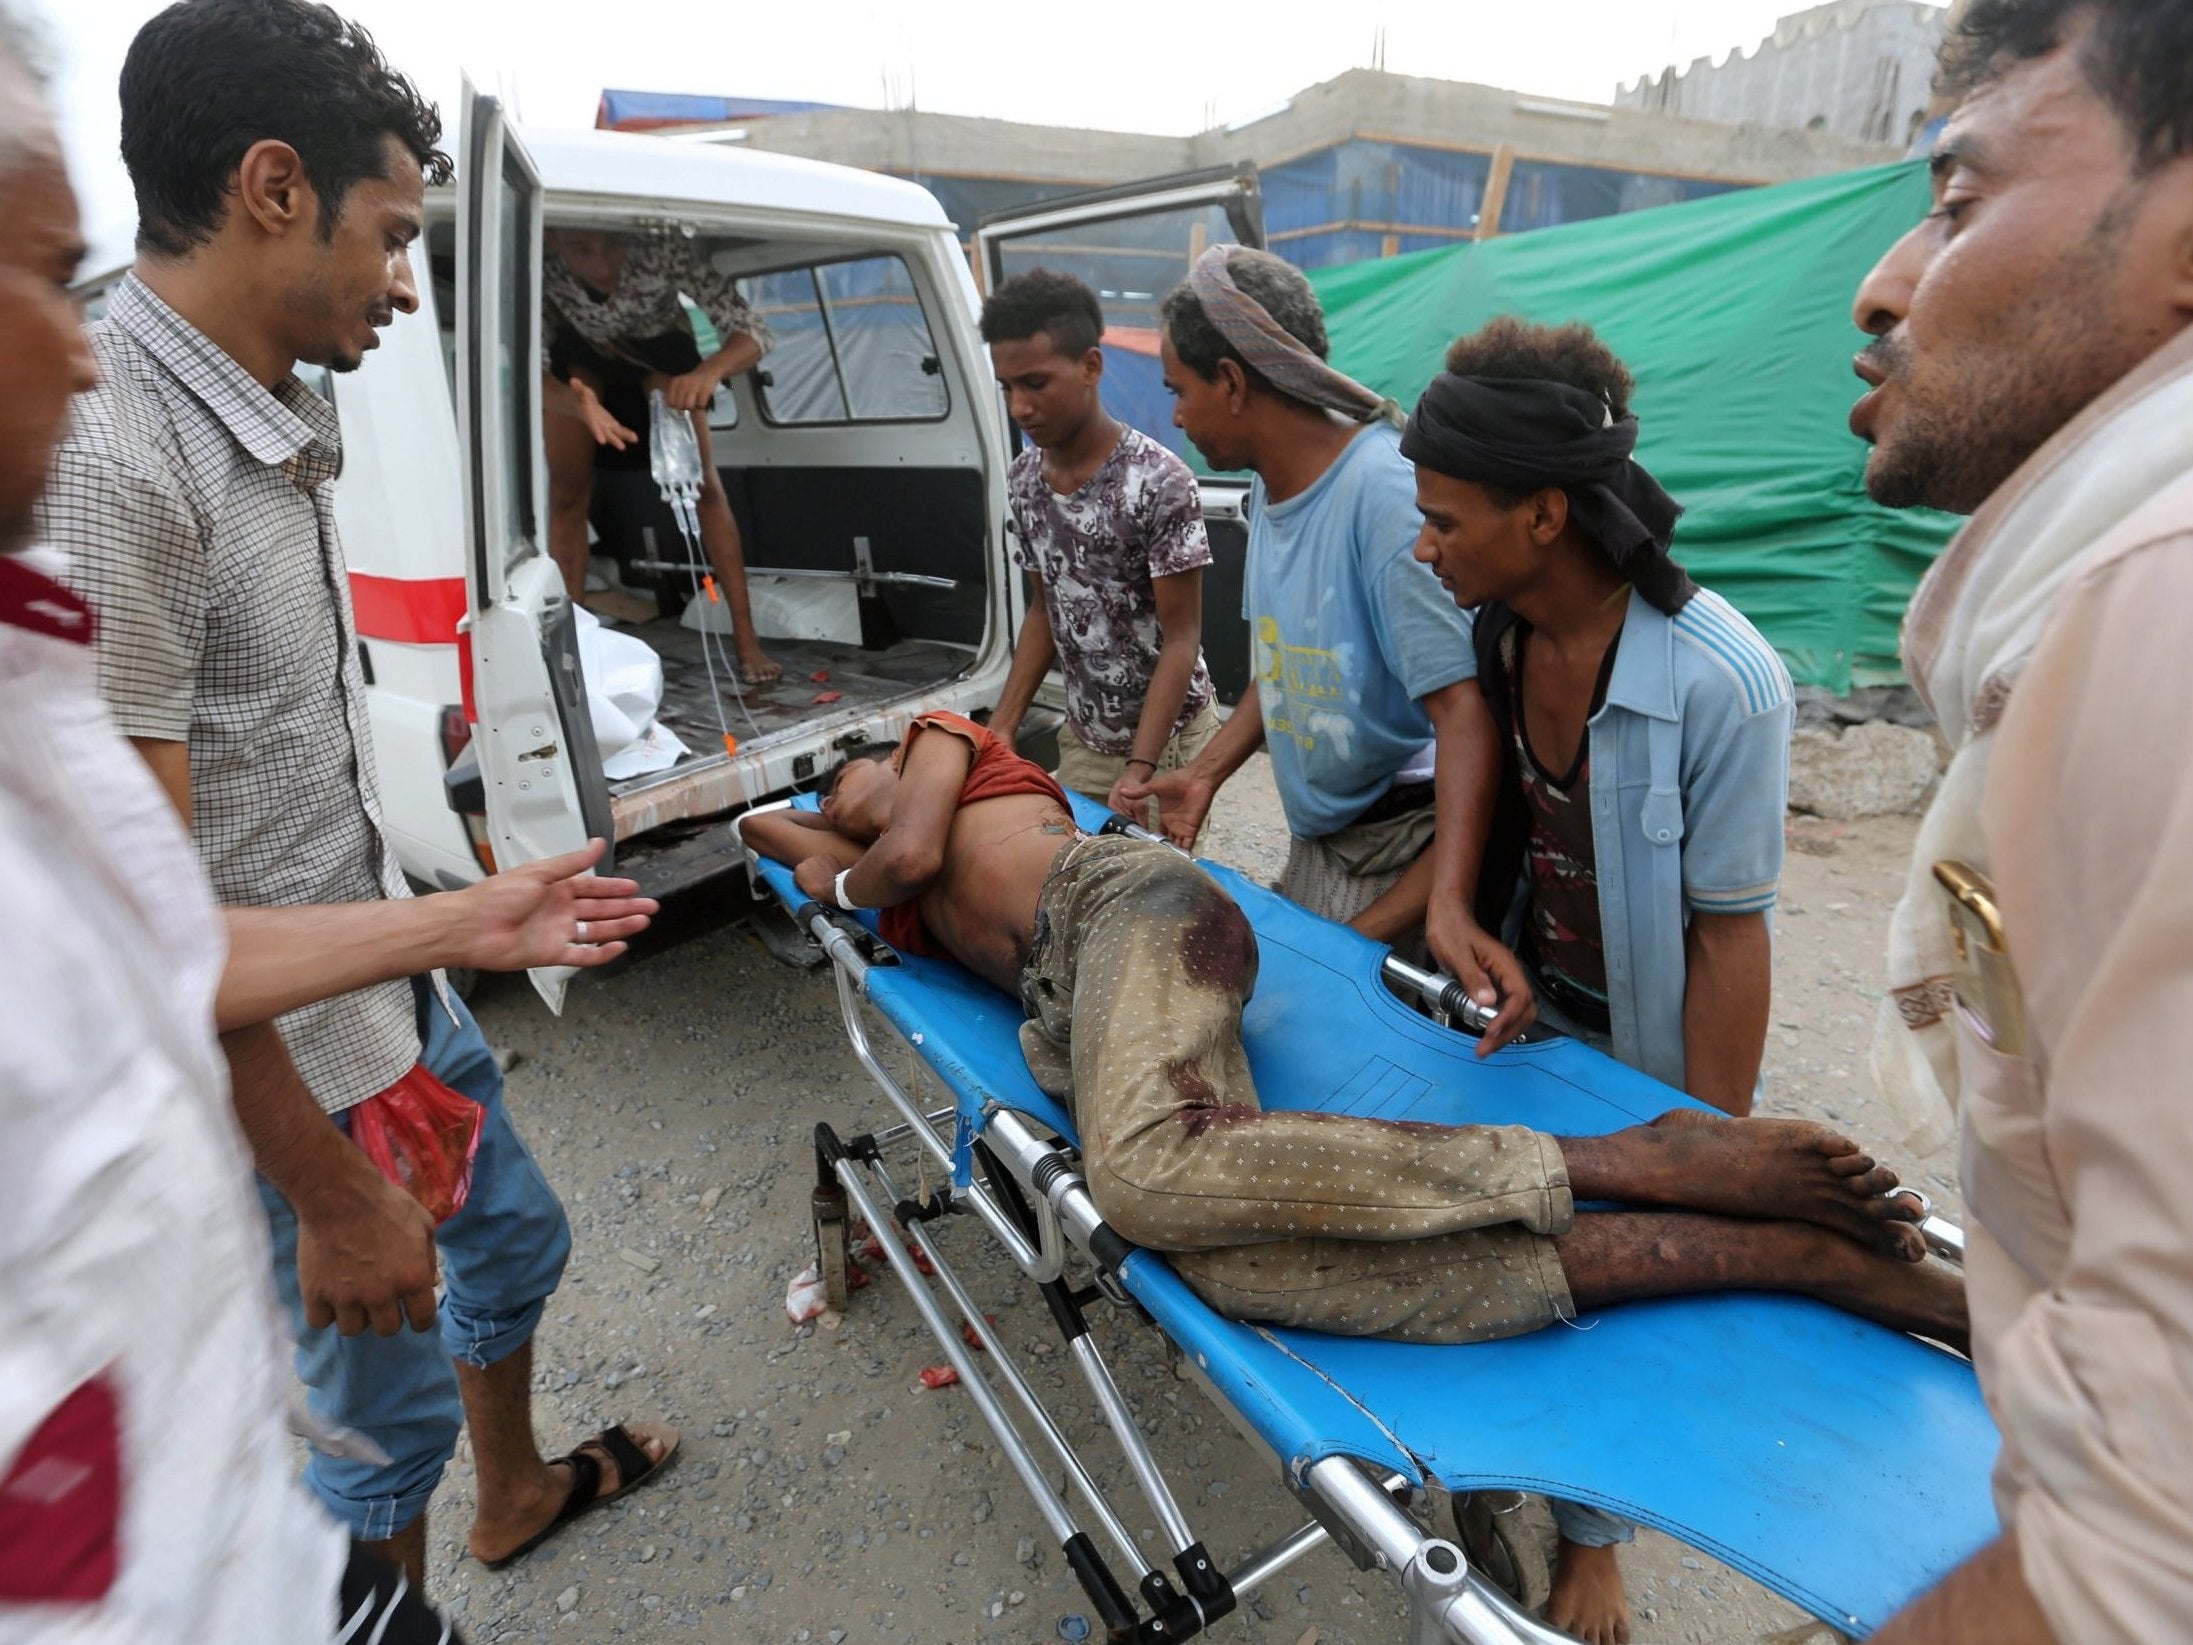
(661, 265)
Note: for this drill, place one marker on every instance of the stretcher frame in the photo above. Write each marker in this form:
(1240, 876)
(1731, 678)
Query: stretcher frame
(1031, 1196)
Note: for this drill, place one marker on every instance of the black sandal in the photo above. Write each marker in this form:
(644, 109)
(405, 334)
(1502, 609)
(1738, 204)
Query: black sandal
(634, 1469)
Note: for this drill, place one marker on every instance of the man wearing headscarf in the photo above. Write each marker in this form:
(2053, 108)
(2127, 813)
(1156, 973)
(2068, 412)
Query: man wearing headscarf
(1358, 656)
(2031, 364)
(1645, 756)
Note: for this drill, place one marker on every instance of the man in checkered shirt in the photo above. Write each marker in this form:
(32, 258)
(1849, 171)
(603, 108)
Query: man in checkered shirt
(279, 166)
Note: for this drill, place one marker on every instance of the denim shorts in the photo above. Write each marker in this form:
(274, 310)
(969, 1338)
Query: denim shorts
(501, 1258)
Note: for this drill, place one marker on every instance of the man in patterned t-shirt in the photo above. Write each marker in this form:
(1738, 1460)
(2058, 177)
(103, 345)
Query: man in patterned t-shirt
(1108, 525)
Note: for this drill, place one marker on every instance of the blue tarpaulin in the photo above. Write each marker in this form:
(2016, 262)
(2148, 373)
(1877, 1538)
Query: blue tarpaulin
(646, 110)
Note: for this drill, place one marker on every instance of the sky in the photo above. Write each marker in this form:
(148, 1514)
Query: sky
(1170, 68)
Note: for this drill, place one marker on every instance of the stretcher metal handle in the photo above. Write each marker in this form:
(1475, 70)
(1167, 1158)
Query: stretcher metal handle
(1447, 1600)
(871, 948)
(1440, 993)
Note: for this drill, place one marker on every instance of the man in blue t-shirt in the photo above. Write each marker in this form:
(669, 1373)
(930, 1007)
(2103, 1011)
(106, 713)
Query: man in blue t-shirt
(1362, 663)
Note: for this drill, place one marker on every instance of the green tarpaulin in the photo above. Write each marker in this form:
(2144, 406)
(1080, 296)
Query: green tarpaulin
(1734, 314)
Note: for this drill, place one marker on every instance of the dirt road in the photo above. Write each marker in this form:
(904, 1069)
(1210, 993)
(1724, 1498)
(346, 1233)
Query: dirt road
(822, 1493)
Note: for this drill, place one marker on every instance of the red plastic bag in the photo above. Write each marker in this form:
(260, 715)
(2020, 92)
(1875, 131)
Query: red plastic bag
(872, 1248)
(422, 1135)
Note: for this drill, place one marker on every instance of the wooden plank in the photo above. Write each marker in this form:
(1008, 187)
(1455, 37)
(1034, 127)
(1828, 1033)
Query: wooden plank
(1496, 191)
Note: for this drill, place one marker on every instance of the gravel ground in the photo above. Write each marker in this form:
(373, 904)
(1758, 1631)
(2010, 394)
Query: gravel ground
(822, 1494)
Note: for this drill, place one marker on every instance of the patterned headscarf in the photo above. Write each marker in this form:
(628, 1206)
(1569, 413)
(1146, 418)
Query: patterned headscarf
(1280, 357)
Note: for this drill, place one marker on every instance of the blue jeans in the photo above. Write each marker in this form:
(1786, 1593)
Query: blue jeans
(502, 1256)
(1590, 1527)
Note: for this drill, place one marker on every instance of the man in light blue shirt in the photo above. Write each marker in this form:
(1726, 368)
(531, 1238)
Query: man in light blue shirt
(1645, 759)
(1361, 659)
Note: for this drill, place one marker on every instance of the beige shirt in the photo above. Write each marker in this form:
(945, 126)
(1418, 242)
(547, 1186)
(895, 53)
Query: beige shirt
(2078, 1158)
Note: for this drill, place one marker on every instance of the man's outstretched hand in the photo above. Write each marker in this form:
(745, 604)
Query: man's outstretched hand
(1488, 971)
(1183, 802)
(600, 422)
(552, 912)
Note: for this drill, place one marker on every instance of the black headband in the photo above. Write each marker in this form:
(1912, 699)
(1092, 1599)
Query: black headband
(1527, 434)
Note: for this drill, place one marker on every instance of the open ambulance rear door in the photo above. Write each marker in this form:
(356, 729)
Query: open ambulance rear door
(539, 766)
(1131, 244)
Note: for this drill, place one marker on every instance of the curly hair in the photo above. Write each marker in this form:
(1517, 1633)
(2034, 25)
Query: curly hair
(206, 79)
(1048, 303)
(1508, 348)
(2139, 59)
(1273, 282)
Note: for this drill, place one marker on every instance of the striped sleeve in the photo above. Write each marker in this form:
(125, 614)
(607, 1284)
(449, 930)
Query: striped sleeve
(1736, 724)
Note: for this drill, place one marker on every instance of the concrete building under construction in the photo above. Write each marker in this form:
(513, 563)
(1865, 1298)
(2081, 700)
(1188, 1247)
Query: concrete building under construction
(1367, 164)
(1859, 69)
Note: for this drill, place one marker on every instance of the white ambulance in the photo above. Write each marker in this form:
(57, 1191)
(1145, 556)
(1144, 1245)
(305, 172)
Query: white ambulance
(865, 459)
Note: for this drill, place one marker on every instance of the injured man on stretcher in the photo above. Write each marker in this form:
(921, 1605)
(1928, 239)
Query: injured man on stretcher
(1133, 967)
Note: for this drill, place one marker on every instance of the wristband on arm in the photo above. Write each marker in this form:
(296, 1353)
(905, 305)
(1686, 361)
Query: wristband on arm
(837, 889)
(738, 823)
(1139, 760)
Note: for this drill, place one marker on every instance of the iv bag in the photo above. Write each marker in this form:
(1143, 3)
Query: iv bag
(673, 453)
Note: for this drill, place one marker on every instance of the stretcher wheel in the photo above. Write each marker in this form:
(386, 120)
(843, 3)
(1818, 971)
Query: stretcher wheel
(833, 1251)
(1489, 1527)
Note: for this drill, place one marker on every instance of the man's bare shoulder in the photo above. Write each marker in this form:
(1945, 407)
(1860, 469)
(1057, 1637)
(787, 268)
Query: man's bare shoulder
(984, 817)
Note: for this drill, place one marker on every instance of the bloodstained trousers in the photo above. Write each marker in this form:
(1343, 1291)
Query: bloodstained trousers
(1134, 992)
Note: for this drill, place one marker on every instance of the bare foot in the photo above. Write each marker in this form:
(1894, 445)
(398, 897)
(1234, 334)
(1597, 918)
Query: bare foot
(1587, 1598)
(1779, 1169)
(500, 1534)
(1924, 1298)
(756, 666)
(1627, 1256)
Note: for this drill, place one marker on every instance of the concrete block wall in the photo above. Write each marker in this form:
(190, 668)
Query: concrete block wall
(1860, 69)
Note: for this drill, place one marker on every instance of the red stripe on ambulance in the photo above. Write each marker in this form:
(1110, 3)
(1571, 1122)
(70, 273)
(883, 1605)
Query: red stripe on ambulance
(416, 611)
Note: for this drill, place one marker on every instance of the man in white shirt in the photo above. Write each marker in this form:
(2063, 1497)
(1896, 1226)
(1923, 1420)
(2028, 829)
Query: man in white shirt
(147, 1489)
(145, 1476)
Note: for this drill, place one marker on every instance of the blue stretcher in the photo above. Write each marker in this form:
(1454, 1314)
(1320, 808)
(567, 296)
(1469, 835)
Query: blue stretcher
(1839, 1463)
